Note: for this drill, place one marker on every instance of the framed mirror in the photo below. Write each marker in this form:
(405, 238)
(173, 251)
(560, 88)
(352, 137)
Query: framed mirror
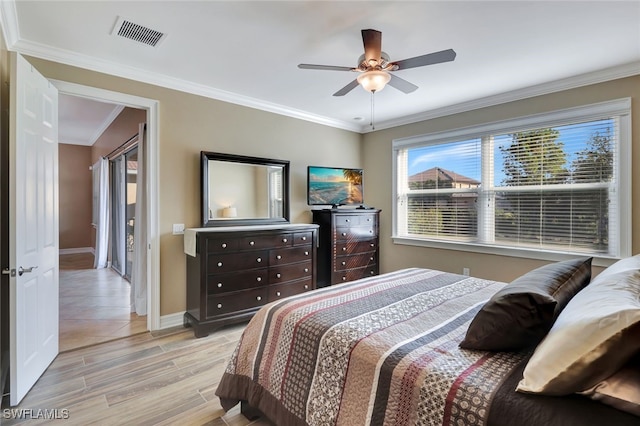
(241, 190)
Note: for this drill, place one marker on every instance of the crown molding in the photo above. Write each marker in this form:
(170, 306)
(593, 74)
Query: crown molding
(9, 22)
(106, 123)
(106, 67)
(600, 76)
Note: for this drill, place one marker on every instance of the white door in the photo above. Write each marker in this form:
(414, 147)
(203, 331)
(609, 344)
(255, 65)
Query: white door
(33, 221)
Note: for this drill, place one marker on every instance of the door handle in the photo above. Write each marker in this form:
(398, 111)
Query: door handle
(22, 270)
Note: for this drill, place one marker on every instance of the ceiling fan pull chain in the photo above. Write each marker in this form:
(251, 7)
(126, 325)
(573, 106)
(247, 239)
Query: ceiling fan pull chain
(373, 127)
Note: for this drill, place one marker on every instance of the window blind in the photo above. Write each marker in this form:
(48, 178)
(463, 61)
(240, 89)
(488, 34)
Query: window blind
(551, 186)
(554, 187)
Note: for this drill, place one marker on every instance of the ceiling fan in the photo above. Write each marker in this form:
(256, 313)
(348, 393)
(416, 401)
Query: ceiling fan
(374, 66)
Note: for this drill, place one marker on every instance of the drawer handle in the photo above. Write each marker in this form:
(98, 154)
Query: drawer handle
(371, 258)
(347, 220)
(344, 263)
(344, 249)
(344, 234)
(219, 264)
(306, 269)
(259, 260)
(219, 285)
(258, 298)
(372, 245)
(306, 253)
(219, 305)
(284, 240)
(259, 279)
(372, 273)
(371, 231)
(224, 245)
(278, 293)
(304, 238)
(306, 286)
(278, 257)
(278, 275)
(344, 278)
(252, 243)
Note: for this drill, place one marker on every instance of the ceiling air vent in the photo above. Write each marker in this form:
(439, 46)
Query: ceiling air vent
(141, 34)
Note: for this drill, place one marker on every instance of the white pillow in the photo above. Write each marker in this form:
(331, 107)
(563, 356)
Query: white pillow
(626, 264)
(594, 336)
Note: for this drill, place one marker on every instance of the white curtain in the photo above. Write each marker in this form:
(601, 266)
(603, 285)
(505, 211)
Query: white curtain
(139, 272)
(101, 186)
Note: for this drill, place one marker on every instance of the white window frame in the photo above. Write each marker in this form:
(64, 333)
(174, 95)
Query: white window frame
(618, 107)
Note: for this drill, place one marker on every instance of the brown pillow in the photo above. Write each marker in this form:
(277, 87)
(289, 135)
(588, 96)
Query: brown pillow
(621, 390)
(522, 312)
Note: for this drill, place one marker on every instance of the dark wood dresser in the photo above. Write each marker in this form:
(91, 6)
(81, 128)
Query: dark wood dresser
(233, 271)
(348, 244)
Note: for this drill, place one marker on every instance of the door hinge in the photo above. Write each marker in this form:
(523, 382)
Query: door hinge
(7, 271)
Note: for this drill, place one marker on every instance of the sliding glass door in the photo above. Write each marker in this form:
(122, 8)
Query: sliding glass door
(123, 205)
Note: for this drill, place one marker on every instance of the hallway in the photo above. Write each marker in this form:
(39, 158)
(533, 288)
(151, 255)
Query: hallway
(94, 304)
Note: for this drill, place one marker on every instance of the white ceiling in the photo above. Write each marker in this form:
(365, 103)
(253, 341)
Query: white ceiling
(247, 52)
(81, 121)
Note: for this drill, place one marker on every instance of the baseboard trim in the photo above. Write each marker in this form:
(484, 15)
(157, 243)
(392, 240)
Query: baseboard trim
(77, 250)
(171, 320)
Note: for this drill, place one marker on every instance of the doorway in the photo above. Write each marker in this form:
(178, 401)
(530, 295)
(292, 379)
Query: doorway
(150, 107)
(95, 304)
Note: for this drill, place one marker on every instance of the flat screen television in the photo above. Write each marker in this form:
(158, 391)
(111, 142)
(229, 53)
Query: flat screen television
(334, 186)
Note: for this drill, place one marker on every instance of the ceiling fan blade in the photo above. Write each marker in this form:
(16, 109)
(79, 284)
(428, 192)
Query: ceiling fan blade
(372, 41)
(428, 59)
(346, 89)
(324, 67)
(401, 84)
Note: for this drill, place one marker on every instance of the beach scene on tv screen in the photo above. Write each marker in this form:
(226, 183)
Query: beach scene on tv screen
(335, 186)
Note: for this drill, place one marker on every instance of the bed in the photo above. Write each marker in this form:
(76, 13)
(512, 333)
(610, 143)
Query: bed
(386, 350)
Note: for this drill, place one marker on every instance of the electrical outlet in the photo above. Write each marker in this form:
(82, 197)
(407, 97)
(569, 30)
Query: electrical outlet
(465, 271)
(178, 228)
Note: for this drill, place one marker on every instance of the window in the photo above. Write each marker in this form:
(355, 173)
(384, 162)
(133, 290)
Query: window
(551, 183)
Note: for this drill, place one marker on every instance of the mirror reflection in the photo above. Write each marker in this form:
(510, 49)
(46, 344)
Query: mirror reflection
(243, 190)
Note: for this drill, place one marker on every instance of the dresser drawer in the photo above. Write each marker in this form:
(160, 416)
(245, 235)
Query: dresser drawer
(219, 263)
(302, 238)
(354, 220)
(265, 241)
(294, 271)
(355, 233)
(279, 291)
(355, 261)
(236, 301)
(234, 281)
(353, 274)
(350, 247)
(290, 255)
(347, 220)
(221, 245)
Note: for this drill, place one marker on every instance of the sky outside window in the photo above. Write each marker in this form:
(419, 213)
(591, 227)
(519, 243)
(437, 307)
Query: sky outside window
(464, 157)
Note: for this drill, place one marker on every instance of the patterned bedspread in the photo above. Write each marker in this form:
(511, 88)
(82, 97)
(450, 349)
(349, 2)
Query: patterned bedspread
(382, 350)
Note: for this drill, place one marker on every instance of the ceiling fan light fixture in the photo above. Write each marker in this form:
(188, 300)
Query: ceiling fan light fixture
(374, 80)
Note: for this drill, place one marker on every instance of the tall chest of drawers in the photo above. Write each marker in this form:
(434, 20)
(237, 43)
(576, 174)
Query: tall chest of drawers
(348, 244)
(233, 271)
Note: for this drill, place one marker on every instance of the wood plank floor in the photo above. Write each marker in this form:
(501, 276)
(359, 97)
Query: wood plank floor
(94, 304)
(160, 378)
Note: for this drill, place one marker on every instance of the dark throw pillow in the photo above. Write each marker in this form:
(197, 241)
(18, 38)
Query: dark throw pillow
(522, 312)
